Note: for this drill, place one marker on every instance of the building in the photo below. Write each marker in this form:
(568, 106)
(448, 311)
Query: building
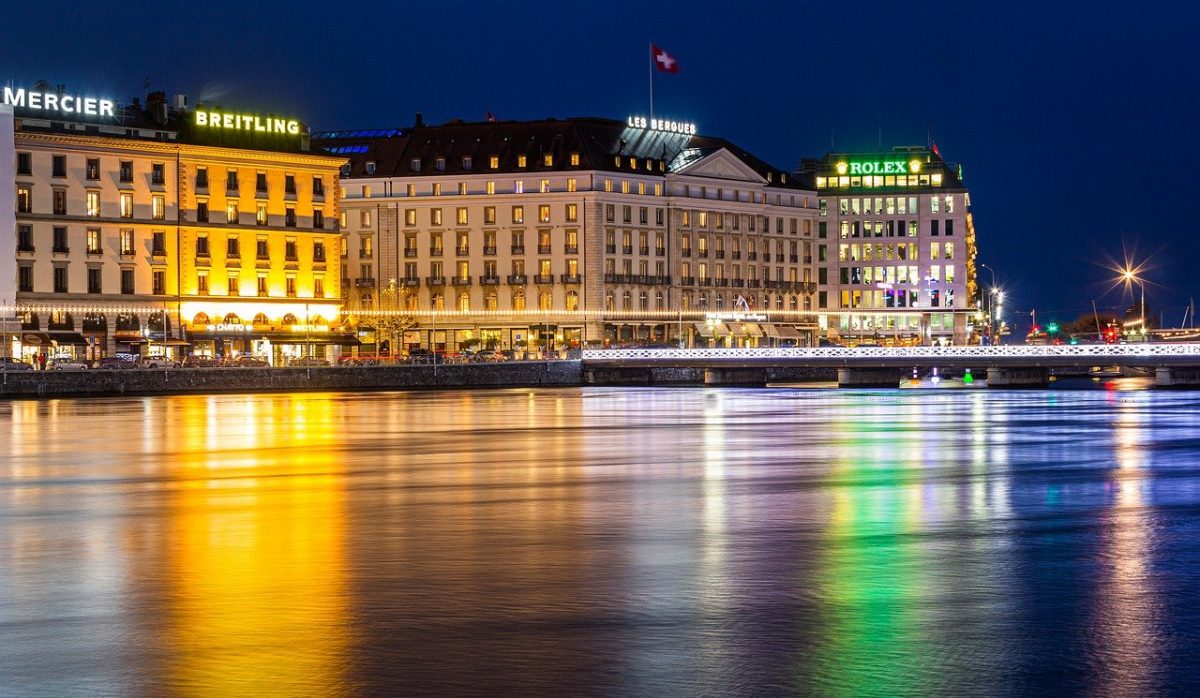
(157, 228)
(900, 230)
(559, 233)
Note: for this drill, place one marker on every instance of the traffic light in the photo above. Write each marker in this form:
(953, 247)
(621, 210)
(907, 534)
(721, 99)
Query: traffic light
(1052, 328)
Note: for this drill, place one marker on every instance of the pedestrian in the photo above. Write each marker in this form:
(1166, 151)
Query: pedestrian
(42, 360)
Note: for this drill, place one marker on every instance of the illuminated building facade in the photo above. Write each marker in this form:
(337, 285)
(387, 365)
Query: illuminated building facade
(141, 231)
(564, 232)
(901, 240)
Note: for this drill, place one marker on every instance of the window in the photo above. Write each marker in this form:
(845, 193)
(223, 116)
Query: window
(231, 181)
(231, 211)
(289, 184)
(489, 215)
(949, 226)
(93, 169)
(60, 202)
(59, 166)
(494, 162)
(572, 213)
(25, 238)
(261, 288)
(202, 246)
(24, 200)
(158, 207)
(318, 251)
(202, 178)
(234, 285)
(159, 280)
(126, 205)
(290, 286)
(364, 219)
(318, 219)
(933, 224)
(435, 216)
(157, 173)
(25, 279)
(437, 188)
(260, 183)
(60, 279)
(519, 187)
(60, 239)
(126, 171)
(93, 241)
(572, 184)
(289, 216)
(126, 281)
(521, 161)
(410, 216)
(318, 186)
(461, 215)
(126, 238)
(202, 211)
(462, 188)
(24, 163)
(544, 213)
(289, 250)
(94, 280)
(318, 287)
(158, 243)
(518, 214)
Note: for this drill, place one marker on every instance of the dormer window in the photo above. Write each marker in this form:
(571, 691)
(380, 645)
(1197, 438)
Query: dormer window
(370, 167)
(345, 170)
(440, 164)
(520, 161)
(494, 162)
(466, 162)
(574, 159)
(416, 164)
(548, 160)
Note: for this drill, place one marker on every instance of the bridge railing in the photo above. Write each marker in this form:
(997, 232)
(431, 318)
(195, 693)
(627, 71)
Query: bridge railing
(1101, 353)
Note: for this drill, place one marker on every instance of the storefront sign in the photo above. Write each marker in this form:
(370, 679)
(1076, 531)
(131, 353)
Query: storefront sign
(54, 102)
(309, 328)
(734, 317)
(229, 328)
(879, 167)
(246, 122)
(683, 127)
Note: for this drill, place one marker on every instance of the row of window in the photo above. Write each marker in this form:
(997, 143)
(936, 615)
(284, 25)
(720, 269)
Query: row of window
(93, 237)
(95, 280)
(58, 168)
(897, 298)
(892, 205)
(902, 274)
(887, 253)
(262, 289)
(468, 162)
(233, 214)
(233, 249)
(877, 181)
(92, 207)
(233, 182)
(900, 228)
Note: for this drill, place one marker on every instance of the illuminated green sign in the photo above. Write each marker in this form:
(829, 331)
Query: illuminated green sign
(879, 167)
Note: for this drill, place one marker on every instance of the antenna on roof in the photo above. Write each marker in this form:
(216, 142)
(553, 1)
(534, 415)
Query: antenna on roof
(929, 134)
(880, 122)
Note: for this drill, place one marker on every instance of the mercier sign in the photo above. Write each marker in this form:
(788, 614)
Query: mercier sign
(55, 102)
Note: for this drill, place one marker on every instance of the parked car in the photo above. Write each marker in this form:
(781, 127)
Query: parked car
(250, 362)
(198, 361)
(158, 361)
(421, 355)
(66, 363)
(116, 362)
(307, 361)
(7, 363)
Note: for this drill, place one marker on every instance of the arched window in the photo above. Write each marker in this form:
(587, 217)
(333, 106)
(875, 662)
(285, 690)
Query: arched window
(704, 301)
(794, 303)
(200, 319)
(232, 319)
(720, 302)
(610, 301)
(643, 301)
(437, 301)
(290, 319)
(491, 301)
(464, 301)
(261, 319)
(779, 302)
(572, 300)
(317, 320)
(658, 301)
(128, 322)
(518, 300)
(685, 301)
(410, 301)
(626, 301)
(545, 300)
(95, 322)
(61, 321)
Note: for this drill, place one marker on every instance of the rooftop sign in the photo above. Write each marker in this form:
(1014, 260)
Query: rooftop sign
(229, 121)
(684, 127)
(879, 167)
(54, 102)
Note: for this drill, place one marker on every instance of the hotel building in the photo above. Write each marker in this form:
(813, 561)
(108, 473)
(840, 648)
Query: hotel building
(564, 232)
(902, 244)
(157, 228)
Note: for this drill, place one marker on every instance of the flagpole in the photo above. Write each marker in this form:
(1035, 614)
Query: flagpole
(651, 65)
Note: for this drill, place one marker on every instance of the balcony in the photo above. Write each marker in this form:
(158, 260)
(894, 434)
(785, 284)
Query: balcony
(687, 281)
(722, 283)
(794, 259)
(462, 251)
(808, 259)
(735, 255)
(460, 281)
(518, 279)
(685, 252)
(662, 280)
(719, 254)
(660, 252)
(703, 254)
(752, 256)
(644, 251)
(364, 282)
(737, 283)
(571, 249)
(706, 282)
(410, 252)
(752, 283)
(435, 251)
(543, 279)
(24, 248)
(410, 281)
(627, 249)
(489, 251)
(435, 281)
(610, 249)
(489, 280)
(571, 278)
(518, 249)
(544, 249)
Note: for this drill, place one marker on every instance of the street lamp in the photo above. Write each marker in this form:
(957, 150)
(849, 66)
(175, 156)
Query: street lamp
(1130, 277)
(991, 302)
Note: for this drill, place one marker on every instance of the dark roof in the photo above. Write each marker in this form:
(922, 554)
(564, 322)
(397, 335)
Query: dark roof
(597, 141)
(931, 161)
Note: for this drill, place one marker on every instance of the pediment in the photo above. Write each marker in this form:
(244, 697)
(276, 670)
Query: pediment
(722, 164)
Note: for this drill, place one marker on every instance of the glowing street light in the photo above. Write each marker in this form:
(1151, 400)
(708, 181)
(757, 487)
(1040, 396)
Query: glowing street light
(1130, 276)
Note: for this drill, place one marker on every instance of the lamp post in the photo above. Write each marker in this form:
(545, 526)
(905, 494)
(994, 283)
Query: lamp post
(991, 302)
(1131, 277)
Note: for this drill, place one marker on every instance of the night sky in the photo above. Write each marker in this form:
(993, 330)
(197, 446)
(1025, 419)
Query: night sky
(1074, 122)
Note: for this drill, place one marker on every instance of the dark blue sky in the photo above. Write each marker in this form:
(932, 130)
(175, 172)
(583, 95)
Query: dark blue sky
(1075, 122)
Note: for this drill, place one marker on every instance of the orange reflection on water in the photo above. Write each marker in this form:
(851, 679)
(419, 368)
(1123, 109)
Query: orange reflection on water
(257, 583)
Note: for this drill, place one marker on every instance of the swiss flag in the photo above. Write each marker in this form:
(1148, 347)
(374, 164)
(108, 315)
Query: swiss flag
(664, 61)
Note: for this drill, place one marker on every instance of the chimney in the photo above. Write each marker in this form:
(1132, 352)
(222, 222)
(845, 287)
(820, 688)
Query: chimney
(179, 103)
(420, 120)
(156, 104)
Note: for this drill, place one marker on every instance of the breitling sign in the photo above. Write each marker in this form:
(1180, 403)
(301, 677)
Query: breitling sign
(254, 123)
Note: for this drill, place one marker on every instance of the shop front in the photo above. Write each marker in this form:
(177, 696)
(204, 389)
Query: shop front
(278, 344)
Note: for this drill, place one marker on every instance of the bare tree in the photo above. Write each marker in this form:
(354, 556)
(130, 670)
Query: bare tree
(386, 310)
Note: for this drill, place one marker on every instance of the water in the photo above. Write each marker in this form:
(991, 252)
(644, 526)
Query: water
(602, 541)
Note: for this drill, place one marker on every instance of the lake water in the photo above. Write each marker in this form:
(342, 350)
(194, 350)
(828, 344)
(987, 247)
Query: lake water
(602, 541)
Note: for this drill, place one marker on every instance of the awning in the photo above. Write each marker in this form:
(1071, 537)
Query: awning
(35, 339)
(68, 338)
(176, 343)
(343, 340)
(771, 330)
(744, 329)
(707, 330)
(787, 332)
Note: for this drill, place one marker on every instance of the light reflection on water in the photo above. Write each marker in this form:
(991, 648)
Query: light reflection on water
(597, 541)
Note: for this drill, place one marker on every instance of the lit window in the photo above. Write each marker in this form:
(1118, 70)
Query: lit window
(518, 214)
(126, 205)
(494, 162)
(491, 188)
(544, 213)
(158, 207)
(260, 213)
(93, 241)
(571, 184)
(545, 187)
(520, 161)
(518, 187)
(461, 216)
(231, 211)
(574, 159)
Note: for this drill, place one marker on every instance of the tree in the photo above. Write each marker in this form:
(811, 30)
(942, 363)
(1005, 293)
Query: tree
(1084, 327)
(383, 309)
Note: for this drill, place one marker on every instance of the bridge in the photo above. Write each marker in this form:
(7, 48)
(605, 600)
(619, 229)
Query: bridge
(1173, 364)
